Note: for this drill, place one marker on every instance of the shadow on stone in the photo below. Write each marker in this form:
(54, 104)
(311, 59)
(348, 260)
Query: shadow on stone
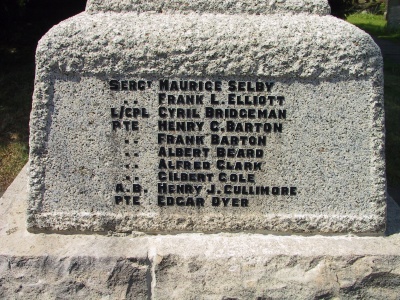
(393, 217)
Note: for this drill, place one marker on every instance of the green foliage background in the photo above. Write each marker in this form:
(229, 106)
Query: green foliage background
(22, 24)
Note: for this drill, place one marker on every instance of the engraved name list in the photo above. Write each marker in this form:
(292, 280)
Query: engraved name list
(210, 136)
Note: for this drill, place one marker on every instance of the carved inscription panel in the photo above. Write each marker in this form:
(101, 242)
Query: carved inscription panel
(210, 138)
(171, 154)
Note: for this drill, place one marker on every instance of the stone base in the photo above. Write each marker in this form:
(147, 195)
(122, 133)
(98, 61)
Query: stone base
(192, 266)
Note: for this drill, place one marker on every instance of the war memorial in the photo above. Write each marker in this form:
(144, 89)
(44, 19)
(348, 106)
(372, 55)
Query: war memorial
(203, 150)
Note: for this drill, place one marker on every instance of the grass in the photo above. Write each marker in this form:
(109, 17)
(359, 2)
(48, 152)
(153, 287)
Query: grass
(375, 25)
(13, 157)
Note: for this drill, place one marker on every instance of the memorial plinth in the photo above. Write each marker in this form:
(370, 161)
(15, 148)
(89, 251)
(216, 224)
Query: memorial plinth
(157, 123)
(224, 116)
(192, 266)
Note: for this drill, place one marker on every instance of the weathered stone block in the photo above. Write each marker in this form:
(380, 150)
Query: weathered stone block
(192, 266)
(155, 117)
